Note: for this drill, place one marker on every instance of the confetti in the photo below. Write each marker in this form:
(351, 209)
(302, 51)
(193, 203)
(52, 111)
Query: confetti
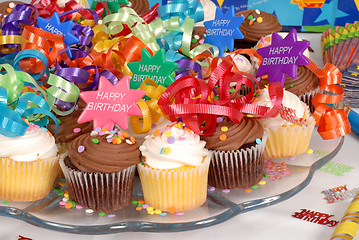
(111, 216)
(79, 207)
(315, 217)
(226, 191)
(101, 214)
(262, 182)
(254, 186)
(89, 211)
(180, 213)
(248, 190)
(310, 151)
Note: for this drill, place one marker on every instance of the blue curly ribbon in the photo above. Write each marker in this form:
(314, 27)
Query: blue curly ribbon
(182, 9)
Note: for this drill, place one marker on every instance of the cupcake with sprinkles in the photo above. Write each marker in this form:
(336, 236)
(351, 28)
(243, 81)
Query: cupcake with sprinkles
(174, 169)
(238, 153)
(100, 169)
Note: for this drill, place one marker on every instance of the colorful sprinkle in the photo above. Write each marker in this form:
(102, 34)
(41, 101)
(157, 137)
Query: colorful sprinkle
(109, 140)
(163, 214)
(291, 158)
(216, 98)
(224, 129)
(249, 115)
(80, 149)
(248, 190)
(66, 195)
(57, 189)
(125, 134)
(226, 191)
(171, 209)
(61, 193)
(219, 119)
(111, 216)
(95, 140)
(254, 186)
(167, 150)
(138, 208)
(141, 202)
(151, 212)
(181, 138)
(250, 17)
(116, 140)
(158, 211)
(144, 206)
(93, 133)
(97, 129)
(157, 133)
(129, 142)
(89, 211)
(149, 209)
(310, 150)
(211, 189)
(257, 11)
(77, 130)
(223, 137)
(162, 150)
(101, 214)
(180, 213)
(167, 133)
(62, 203)
(266, 175)
(5, 202)
(262, 182)
(259, 19)
(201, 41)
(258, 141)
(232, 90)
(68, 205)
(251, 22)
(132, 139)
(65, 199)
(171, 140)
(79, 207)
(134, 202)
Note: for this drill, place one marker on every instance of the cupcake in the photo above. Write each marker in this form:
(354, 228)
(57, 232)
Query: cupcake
(238, 153)
(174, 170)
(289, 133)
(256, 25)
(29, 165)
(99, 170)
(68, 130)
(140, 6)
(305, 86)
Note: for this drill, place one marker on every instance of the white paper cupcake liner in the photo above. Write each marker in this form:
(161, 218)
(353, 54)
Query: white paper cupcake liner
(178, 189)
(29, 180)
(105, 192)
(237, 169)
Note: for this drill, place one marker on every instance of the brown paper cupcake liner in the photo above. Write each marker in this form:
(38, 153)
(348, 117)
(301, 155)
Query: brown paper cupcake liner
(307, 98)
(105, 192)
(237, 169)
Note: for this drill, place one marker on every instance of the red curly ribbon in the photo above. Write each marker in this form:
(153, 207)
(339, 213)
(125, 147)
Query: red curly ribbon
(192, 99)
(331, 123)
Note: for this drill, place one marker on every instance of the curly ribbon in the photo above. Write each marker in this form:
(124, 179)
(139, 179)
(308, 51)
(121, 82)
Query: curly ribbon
(331, 123)
(113, 24)
(182, 9)
(150, 109)
(151, 14)
(28, 105)
(191, 99)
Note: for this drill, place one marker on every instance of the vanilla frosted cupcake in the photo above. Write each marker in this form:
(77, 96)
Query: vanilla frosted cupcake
(174, 170)
(29, 165)
(286, 139)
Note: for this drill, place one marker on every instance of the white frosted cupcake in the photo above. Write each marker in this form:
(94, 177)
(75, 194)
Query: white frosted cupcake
(286, 139)
(29, 165)
(174, 171)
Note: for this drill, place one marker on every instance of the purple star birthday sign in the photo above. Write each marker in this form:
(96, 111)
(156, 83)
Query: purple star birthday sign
(282, 57)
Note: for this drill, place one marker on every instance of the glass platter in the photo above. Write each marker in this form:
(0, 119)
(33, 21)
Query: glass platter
(219, 207)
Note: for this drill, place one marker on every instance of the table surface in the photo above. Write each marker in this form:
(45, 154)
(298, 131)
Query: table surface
(274, 222)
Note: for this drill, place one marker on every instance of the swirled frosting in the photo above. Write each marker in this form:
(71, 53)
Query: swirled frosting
(173, 148)
(237, 135)
(36, 144)
(88, 156)
(289, 100)
(69, 129)
(140, 6)
(306, 81)
(252, 33)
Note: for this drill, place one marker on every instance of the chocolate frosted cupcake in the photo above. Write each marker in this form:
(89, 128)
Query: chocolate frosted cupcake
(99, 170)
(256, 25)
(140, 6)
(305, 86)
(238, 154)
(68, 130)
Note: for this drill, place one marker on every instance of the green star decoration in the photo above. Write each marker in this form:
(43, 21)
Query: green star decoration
(155, 68)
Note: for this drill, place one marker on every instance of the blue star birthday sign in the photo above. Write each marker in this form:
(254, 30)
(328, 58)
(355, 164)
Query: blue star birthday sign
(55, 26)
(222, 31)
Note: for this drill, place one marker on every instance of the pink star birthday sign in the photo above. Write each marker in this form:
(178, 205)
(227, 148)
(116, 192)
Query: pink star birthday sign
(111, 104)
(282, 57)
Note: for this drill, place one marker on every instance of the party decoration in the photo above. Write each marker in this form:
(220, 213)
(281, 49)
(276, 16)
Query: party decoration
(55, 26)
(275, 171)
(111, 104)
(336, 168)
(338, 194)
(349, 224)
(113, 5)
(282, 57)
(222, 31)
(155, 68)
(315, 217)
